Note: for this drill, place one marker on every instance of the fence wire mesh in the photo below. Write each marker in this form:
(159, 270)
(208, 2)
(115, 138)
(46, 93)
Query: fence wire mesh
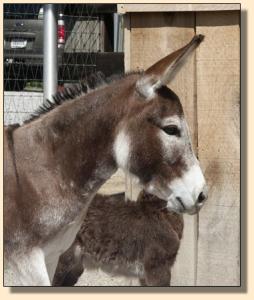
(23, 46)
(82, 34)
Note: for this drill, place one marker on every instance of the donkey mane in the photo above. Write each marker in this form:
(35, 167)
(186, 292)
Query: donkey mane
(75, 90)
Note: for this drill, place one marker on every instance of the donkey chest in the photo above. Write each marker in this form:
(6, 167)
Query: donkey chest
(61, 242)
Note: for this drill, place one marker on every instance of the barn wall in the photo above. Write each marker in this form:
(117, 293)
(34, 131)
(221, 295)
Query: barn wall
(152, 36)
(208, 87)
(218, 86)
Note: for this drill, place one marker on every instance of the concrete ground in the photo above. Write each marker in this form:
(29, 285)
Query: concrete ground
(100, 278)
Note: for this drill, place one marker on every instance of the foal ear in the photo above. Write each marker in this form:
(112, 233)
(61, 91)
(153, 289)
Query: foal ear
(162, 72)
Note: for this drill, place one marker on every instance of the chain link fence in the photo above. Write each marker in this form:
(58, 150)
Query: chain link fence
(85, 37)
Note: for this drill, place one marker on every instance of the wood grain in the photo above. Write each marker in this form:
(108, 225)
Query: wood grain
(153, 36)
(116, 184)
(219, 147)
(159, 7)
(127, 37)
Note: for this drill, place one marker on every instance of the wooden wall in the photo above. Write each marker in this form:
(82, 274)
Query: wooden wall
(218, 99)
(208, 87)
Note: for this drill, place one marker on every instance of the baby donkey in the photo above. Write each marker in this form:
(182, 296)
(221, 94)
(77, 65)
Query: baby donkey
(139, 239)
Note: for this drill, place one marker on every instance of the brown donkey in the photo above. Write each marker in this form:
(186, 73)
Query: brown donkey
(55, 163)
(137, 239)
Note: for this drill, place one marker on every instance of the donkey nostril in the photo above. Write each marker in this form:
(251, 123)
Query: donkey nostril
(201, 197)
(181, 202)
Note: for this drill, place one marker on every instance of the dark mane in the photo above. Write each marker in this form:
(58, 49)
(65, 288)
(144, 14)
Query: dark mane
(75, 90)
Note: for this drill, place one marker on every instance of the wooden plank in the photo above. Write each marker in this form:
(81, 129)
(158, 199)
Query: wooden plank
(116, 184)
(218, 247)
(177, 7)
(218, 91)
(131, 189)
(152, 37)
(127, 40)
(159, 34)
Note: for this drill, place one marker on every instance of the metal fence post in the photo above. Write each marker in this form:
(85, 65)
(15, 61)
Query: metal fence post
(116, 32)
(49, 51)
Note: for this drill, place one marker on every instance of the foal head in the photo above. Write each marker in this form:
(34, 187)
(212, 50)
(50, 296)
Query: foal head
(153, 141)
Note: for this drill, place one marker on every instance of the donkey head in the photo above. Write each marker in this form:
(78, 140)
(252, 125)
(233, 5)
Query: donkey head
(153, 141)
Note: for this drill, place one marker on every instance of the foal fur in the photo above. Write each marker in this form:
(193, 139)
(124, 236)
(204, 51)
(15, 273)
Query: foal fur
(138, 239)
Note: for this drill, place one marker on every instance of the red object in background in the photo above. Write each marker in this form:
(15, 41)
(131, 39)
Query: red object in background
(61, 32)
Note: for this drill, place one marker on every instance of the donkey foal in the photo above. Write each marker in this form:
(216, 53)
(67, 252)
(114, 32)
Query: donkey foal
(124, 238)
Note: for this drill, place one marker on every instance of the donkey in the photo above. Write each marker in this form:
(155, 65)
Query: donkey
(56, 162)
(138, 239)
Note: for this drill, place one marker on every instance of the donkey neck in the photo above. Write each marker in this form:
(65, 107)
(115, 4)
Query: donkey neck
(77, 138)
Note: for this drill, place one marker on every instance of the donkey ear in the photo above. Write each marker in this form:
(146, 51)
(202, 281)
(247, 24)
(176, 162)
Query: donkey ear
(162, 72)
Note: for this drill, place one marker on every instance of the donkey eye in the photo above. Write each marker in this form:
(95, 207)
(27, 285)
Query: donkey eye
(171, 130)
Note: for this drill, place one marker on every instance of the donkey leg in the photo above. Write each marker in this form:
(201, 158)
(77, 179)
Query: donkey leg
(142, 281)
(26, 269)
(157, 266)
(70, 267)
